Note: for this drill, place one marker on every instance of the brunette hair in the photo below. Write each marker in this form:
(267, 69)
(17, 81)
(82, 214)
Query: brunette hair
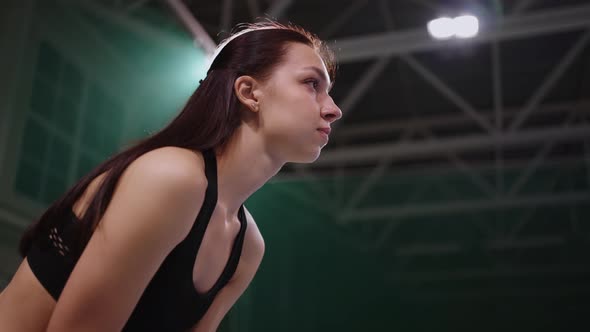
(208, 119)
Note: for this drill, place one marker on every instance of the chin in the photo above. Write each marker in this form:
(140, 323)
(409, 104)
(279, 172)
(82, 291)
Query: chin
(300, 153)
(308, 157)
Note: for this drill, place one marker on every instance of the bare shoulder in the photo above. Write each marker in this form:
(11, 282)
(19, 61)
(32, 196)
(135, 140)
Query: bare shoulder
(171, 178)
(255, 247)
(152, 208)
(174, 166)
(171, 169)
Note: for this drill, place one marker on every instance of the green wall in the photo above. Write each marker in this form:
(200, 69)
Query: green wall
(75, 119)
(320, 276)
(79, 85)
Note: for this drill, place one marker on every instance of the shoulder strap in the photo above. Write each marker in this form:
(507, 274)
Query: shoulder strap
(195, 236)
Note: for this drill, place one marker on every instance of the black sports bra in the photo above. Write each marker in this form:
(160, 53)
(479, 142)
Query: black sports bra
(170, 301)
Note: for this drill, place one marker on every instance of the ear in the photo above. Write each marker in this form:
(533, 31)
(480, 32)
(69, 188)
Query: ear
(247, 90)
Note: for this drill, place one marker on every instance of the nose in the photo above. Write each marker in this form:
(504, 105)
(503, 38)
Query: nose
(331, 112)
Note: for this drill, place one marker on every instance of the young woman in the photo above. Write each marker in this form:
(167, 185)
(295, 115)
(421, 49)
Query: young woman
(156, 238)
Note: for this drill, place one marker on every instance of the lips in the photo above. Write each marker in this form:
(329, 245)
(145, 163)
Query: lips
(325, 130)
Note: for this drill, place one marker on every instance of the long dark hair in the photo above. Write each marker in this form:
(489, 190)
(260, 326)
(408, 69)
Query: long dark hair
(207, 121)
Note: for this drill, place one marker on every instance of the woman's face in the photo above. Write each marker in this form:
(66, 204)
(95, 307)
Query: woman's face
(296, 110)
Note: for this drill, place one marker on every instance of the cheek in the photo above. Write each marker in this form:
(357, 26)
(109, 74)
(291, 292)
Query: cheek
(290, 107)
(291, 103)
(281, 119)
(301, 101)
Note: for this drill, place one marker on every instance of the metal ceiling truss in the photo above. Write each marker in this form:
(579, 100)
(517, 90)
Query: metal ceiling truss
(498, 130)
(501, 127)
(382, 153)
(374, 153)
(521, 26)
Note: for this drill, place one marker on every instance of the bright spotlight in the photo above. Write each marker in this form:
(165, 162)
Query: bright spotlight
(441, 28)
(466, 26)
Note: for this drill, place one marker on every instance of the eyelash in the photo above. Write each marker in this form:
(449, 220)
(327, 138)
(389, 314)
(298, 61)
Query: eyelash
(316, 83)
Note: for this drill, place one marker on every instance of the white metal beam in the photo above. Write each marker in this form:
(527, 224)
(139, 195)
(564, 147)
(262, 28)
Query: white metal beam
(443, 88)
(370, 153)
(532, 24)
(358, 91)
(140, 28)
(345, 15)
(497, 90)
(79, 46)
(522, 221)
(497, 85)
(302, 197)
(475, 178)
(449, 190)
(372, 178)
(360, 88)
(393, 224)
(479, 205)
(350, 132)
(550, 80)
(55, 131)
(439, 169)
(527, 172)
(192, 25)
(90, 32)
(536, 162)
(316, 188)
(385, 234)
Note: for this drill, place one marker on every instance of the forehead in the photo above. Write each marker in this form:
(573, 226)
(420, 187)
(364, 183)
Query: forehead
(300, 56)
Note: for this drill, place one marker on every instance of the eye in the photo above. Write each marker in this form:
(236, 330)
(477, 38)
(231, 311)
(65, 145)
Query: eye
(313, 82)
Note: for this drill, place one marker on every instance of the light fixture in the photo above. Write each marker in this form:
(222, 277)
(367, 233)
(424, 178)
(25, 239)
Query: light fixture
(464, 26)
(441, 28)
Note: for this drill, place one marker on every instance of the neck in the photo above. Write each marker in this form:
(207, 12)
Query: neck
(243, 167)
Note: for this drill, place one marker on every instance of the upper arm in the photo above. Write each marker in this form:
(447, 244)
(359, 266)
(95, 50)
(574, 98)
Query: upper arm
(252, 254)
(152, 209)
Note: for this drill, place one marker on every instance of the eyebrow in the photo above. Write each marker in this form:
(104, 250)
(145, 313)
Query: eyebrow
(322, 74)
